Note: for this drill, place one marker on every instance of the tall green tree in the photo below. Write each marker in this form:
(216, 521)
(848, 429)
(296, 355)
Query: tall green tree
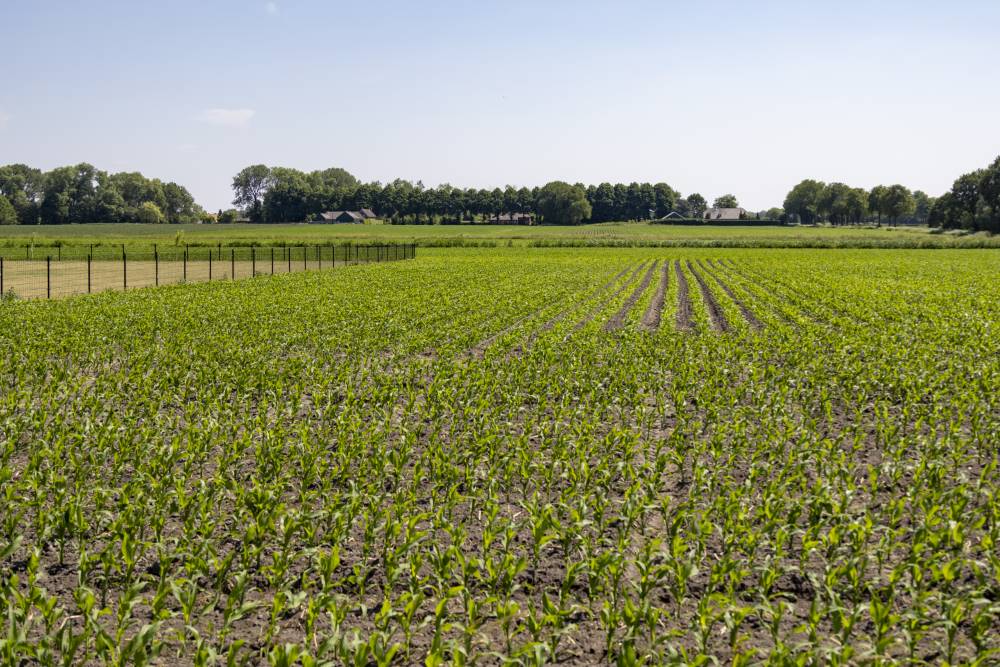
(665, 198)
(897, 203)
(249, 188)
(8, 215)
(803, 201)
(726, 201)
(697, 205)
(24, 187)
(563, 204)
(877, 202)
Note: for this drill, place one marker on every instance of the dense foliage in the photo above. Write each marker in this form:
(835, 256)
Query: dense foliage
(279, 194)
(812, 201)
(511, 457)
(82, 193)
(973, 203)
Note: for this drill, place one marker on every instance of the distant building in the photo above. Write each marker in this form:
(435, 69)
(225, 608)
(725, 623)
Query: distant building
(368, 213)
(673, 215)
(349, 217)
(725, 214)
(512, 219)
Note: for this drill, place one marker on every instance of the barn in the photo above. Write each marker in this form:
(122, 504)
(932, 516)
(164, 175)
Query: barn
(331, 217)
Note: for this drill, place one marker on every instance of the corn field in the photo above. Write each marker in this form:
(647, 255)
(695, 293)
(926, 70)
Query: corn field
(511, 457)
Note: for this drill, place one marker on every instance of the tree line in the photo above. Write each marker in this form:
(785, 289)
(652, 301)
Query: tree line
(813, 201)
(281, 194)
(82, 193)
(973, 203)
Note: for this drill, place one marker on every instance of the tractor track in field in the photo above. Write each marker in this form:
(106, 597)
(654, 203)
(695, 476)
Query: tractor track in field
(651, 318)
(715, 314)
(618, 321)
(603, 304)
(748, 315)
(685, 311)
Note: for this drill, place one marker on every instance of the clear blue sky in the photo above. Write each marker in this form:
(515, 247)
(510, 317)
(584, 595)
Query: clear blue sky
(713, 97)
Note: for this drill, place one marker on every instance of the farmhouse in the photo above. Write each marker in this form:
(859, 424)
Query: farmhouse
(725, 213)
(513, 219)
(330, 217)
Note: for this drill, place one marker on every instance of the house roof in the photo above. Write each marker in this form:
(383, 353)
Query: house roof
(335, 215)
(724, 213)
(368, 213)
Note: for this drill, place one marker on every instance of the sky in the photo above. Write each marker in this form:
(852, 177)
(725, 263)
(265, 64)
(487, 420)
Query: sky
(745, 98)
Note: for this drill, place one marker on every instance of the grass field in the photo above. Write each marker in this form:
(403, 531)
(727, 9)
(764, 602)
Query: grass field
(511, 456)
(69, 276)
(429, 235)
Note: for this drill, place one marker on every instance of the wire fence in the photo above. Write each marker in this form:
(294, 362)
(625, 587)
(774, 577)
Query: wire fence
(88, 270)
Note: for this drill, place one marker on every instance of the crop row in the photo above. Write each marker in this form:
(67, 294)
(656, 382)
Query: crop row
(511, 456)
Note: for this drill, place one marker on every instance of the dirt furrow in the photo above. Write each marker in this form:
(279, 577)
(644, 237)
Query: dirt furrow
(618, 321)
(833, 308)
(621, 288)
(550, 324)
(775, 289)
(715, 314)
(685, 314)
(651, 319)
(748, 315)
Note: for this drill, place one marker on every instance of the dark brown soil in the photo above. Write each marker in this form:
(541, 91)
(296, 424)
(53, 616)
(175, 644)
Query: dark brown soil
(776, 290)
(685, 316)
(715, 314)
(651, 319)
(748, 315)
(618, 321)
(596, 293)
(603, 304)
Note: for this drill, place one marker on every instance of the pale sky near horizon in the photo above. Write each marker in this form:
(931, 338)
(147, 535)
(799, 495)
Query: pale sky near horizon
(710, 97)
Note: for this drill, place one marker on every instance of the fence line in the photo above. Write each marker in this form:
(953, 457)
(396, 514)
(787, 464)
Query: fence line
(66, 275)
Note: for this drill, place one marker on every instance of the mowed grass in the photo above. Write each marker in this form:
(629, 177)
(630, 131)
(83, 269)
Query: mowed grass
(511, 456)
(429, 235)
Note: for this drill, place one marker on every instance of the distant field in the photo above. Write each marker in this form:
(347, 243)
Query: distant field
(609, 234)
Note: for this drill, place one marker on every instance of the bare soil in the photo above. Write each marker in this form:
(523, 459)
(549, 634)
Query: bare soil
(653, 315)
(618, 321)
(748, 315)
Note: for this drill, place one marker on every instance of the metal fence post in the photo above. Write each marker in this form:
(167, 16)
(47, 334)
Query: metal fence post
(305, 259)
(48, 277)
(319, 256)
(253, 262)
(1, 276)
(89, 259)
(156, 265)
(124, 270)
(333, 256)
(185, 262)
(210, 265)
(272, 260)
(288, 256)
(232, 263)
